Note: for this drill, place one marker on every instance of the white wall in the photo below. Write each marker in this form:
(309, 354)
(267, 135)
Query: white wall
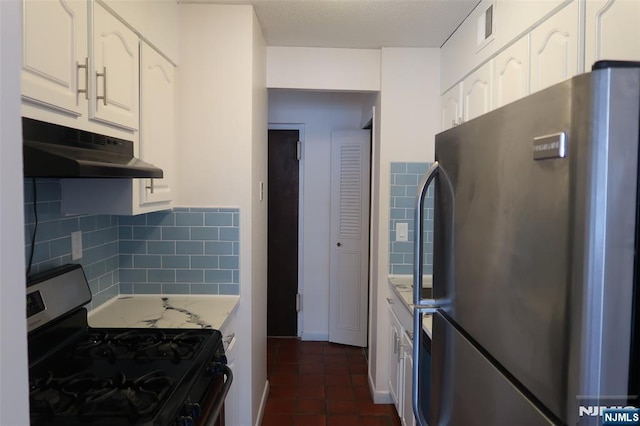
(409, 119)
(14, 408)
(258, 287)
(155, 20)
(221, 123)
(323, 68)
(320, 113)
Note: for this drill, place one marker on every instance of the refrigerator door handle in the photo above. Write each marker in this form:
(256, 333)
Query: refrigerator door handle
(418, 227)
(421, 307)
(415, 379)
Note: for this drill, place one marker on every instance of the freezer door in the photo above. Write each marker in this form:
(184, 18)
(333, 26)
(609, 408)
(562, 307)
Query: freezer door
(469, 390)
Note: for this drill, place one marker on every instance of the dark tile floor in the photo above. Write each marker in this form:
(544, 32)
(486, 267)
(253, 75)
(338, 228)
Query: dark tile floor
(320, 383)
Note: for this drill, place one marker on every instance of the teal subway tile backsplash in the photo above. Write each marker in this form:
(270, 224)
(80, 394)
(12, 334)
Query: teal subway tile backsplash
(179, 251)
(182, 249)
(405, 178)
(53, 239)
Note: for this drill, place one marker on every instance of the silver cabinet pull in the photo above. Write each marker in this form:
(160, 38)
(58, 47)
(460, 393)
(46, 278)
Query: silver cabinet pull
(103, 74)
(390, 301)
(86, 78)
(150, 187)
(229, 337)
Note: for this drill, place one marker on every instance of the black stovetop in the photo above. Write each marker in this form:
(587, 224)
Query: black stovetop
(80, 375)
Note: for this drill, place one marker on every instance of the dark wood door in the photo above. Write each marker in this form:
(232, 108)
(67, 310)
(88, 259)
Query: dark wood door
(282, 263)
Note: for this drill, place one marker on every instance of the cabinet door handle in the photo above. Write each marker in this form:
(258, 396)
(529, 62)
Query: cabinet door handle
(86, 78)
(390, 301)
(102, 74)
(228, 338)
(150, 187)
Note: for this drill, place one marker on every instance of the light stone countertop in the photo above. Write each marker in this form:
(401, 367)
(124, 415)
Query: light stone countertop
(403, 287)
(164, 311)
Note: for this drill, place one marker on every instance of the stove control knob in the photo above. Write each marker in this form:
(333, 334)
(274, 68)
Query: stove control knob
(186, 421)
(193, 410)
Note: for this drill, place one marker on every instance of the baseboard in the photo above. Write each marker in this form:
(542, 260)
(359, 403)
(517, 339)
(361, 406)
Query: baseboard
(263, 403)
(315, 337)
(378, 397)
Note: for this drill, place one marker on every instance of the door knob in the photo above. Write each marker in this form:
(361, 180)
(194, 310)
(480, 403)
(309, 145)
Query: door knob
(339, 244)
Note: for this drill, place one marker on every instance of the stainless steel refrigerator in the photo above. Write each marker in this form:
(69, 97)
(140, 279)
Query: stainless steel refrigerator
(535, 279)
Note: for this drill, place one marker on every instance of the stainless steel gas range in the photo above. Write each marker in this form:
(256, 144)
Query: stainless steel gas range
(114, 376)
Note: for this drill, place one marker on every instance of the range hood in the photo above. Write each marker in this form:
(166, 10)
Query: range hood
(51, 150)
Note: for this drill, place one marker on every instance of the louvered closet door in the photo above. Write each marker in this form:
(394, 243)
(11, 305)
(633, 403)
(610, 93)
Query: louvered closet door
(350, 152)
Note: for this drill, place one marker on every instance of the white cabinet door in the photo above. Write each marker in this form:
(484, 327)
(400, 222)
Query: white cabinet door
(54, 49)
(511, 73)
(395, 360)
(157, 128)
(407, 417)
(451, 107)
(612, 30)
(554, 48)
(476, 90)
(114, 76)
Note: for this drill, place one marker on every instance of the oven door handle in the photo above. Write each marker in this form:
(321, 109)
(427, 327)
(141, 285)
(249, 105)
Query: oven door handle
(215, 411)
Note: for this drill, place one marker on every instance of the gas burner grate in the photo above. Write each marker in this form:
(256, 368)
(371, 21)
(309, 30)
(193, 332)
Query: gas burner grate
(140, 345)
(85, 396)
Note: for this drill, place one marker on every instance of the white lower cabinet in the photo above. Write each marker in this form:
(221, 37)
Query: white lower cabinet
(401, 359)
(395, 360)
(407, 417)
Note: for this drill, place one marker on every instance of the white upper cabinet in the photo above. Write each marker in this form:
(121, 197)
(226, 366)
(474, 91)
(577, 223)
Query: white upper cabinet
(55, 54)
(554, 48)
(511, 73)
(80, 67)
(451, 107)
(476, 90)
(612, 30)
(114, 71)
(157, 124)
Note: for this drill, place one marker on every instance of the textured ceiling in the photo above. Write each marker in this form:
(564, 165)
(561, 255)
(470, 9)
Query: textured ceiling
(357, 23)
